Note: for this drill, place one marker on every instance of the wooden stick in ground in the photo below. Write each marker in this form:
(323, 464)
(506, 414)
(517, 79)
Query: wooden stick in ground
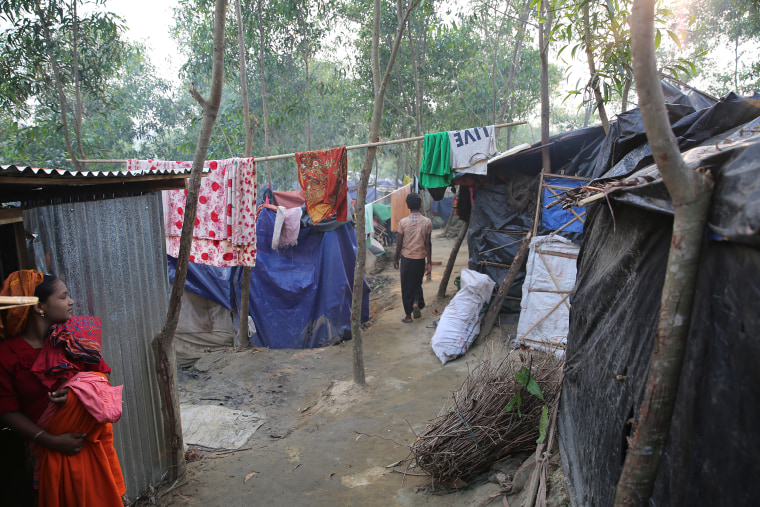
(452, 258)
(538, 479)
(498, 299)
(448, 223)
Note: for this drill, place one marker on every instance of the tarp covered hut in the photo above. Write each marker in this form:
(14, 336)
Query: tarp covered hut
(300, 295)
(502, 205)
(712, 454)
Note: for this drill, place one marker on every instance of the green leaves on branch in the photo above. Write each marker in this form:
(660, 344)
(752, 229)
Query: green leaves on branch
(526, 380)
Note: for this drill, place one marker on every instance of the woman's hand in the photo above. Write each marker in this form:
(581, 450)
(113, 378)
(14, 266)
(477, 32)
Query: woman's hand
(67, 443)
(59, 397)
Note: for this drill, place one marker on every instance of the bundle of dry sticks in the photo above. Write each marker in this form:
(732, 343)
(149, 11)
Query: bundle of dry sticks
(477, 430)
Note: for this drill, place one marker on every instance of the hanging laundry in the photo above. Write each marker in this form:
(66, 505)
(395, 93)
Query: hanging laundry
(224, 232)
(369, 215)
(399, 208)
(291, 199)
(135, 165)
(471, 148)
(322, 175)
(287, 225)
(435, 169)
(382, 211)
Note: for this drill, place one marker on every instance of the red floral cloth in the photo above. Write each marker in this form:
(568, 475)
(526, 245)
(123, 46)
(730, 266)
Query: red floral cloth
(71, 343)
(322, 175)
(224, 232)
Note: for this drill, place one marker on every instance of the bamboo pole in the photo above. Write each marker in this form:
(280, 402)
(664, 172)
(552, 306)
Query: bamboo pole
(498, 299)
(14, 301)
(292, 155)
(452, 258)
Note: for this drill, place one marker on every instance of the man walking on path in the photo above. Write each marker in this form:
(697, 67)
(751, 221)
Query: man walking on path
(414, 250)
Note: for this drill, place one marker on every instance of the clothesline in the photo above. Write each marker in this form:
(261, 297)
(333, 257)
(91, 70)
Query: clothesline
(291, 155)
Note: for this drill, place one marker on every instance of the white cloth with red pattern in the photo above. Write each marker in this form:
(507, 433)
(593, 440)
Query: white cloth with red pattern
(224, 233)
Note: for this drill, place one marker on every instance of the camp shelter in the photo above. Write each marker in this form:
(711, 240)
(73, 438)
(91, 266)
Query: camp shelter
(300, 296)
(712, 453)
(501, 206)
(102, 234)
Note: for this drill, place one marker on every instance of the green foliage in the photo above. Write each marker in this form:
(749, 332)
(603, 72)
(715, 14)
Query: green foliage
(451, 72)
(526, 380)
(543, 423)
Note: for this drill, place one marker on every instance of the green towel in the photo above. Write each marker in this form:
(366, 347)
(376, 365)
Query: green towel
(435, 169)
(382, 211)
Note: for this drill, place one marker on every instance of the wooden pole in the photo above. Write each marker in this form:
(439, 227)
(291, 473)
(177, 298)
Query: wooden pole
(246, 282)
(448, 222)
(452, 258)
(292, 155)
(498, 299)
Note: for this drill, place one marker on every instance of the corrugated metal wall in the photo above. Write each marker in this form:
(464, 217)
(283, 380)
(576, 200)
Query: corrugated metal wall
(111, 255)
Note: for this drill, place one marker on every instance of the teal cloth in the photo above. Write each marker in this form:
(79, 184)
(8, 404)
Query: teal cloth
(382, 211)
(435, 169)
(369, 227)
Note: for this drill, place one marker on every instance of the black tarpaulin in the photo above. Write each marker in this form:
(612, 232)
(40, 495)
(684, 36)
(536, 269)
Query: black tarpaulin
(504, 206)
(712, 454)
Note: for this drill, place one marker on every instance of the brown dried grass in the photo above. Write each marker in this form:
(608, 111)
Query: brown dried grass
(476, 430)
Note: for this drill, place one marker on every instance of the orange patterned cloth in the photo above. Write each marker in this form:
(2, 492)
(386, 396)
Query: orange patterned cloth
(93, 476)
(322, 175)
(399, 209)
(18, 283)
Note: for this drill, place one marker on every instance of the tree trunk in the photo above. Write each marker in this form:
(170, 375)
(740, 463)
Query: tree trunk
(262, 71)
(163, 342)
(452, 257)
(626, 92)
(690, 192)
(308, 102)
(508, 105)
(75, 54)
(59, 90)
(246, 282)
(361, 193)
(417, 91)
(544, 28)
(592, 70)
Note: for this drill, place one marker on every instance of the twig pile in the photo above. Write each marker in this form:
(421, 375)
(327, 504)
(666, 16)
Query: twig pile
(476, 431)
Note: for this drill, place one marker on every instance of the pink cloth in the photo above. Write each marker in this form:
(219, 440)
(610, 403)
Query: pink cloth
(290, 199)
(134, 165)
(224, 232)
(102, 400)
(287, 225)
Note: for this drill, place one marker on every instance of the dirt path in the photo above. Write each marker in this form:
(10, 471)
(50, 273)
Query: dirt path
(327, 441)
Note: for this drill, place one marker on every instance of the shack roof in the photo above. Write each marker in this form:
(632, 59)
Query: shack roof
(34, 187)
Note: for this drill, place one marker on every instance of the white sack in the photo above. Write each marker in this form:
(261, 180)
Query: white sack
(550, 276)
(460, 322)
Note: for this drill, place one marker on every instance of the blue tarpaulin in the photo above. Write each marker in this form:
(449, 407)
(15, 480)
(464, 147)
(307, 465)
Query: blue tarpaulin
(300, 296)
(555, 217)
(443, 207)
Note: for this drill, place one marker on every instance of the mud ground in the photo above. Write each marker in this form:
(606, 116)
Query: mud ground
(327, 441)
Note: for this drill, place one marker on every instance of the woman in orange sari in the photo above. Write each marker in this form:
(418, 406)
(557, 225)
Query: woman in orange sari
(38, 355)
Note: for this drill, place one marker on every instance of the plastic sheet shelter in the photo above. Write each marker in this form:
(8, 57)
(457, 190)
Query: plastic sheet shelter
(504, 203)
(300, 296)
(712, 454)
